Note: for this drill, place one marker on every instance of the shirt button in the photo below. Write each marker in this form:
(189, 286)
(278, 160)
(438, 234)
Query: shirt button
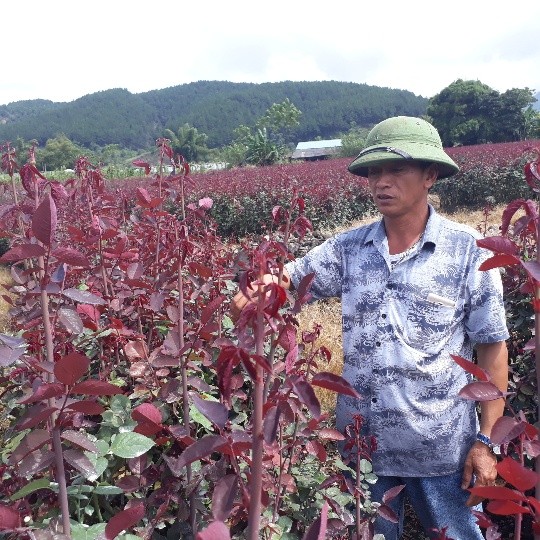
(374, 400)
(378, 343)
(383, 315)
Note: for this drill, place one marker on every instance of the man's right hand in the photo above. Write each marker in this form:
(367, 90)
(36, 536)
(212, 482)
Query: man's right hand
(240, 300)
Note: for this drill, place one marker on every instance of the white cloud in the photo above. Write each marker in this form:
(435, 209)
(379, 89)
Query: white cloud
(63, 49)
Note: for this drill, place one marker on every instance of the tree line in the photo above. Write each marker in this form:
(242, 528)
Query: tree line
(244, 123)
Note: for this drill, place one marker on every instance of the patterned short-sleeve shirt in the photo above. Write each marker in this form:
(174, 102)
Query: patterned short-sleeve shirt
(400, 326)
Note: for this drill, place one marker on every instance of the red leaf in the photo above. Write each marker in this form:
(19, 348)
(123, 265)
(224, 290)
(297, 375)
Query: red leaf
(471, 367)
(498, 493)
(86, 407)
(45, 391)
(498, 244)
(270, 424)
(80, 440)
(36, 415)
(506, 508)
(23, 251)
(506, 429)
(317, 530)
(480, 391)
(307, 396)
(32, 441)
(387, 513)
(317, 449)
(334, 382)
(9, 518)
(516, 474)
(125, 519)
(211, 308)
(223, 497)
(144, 164)
(143, 197)
(93, 387)
(532, 268)
(392, 493)
(84, 297)
(71, 256)
(498, 260)
(69, 369)
(147, 412)
(200, 449)
(331, 434)
(44, 221)
(217, 530)
(215, 411)
(71, 320)
(535, 503)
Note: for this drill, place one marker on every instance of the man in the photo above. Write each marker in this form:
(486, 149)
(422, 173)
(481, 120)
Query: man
(412, 294)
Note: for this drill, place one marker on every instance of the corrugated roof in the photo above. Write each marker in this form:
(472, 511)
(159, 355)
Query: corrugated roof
(314, 152)
(330, 143)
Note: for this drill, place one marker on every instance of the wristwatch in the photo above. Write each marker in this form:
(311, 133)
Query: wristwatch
(487, 441)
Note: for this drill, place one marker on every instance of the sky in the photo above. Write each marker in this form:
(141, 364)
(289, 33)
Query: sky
(64, 49)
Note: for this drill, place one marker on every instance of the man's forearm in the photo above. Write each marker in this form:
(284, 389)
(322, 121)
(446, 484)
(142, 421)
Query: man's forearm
(493, 358)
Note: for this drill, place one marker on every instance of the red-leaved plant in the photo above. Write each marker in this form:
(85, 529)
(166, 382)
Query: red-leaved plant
(135, 407)
(515, 249)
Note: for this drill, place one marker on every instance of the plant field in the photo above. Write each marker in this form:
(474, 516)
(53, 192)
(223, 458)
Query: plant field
(134, 405)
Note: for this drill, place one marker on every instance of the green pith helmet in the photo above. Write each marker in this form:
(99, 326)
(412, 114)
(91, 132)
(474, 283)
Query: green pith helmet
(403, 137)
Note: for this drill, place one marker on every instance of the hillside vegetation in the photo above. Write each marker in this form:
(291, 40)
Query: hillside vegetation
(215, 108)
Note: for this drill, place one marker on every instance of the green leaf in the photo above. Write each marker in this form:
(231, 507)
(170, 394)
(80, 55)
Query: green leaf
(130, 445)
(285, 523)
(227, 322)
(370, 478)
(120, 404)
(42, 483)
(199, 418)
(365, 466)
(108, 490)
(103, 447)
(81, 532)
(100, 464)
(78, 489)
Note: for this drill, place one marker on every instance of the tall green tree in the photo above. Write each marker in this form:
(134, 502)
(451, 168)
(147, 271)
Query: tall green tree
(261, 150)
(470, 112)
(189, 142)
(58, 153)
(281, 118)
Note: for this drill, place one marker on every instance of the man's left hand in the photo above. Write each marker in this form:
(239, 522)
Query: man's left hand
(481, 462)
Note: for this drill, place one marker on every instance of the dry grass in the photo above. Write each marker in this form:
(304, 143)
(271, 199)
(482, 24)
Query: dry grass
(5, 279)
(328, 314)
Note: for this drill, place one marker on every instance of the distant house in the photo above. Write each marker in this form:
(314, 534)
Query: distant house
(312, 150)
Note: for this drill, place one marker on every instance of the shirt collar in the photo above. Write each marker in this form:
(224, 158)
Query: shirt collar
(377, 234)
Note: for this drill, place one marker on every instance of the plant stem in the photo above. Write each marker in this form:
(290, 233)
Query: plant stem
(185, 396)
(56, 441)
(254, 516)
(537, 360)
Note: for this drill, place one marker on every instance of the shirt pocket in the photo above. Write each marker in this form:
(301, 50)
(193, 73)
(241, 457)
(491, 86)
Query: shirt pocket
(428, 325)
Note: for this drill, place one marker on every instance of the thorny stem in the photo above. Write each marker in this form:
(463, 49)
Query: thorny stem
(275, 338)
(281, 489)
(518, 518)
(55, 432)
(257, 426)
(185, 396)
(182, 195)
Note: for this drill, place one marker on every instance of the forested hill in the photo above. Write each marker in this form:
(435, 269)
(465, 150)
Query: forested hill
(134, 121)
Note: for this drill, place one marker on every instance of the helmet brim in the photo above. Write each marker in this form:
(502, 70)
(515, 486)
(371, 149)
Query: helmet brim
(377, 155)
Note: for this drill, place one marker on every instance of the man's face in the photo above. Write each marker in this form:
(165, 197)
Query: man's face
(400, 187)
